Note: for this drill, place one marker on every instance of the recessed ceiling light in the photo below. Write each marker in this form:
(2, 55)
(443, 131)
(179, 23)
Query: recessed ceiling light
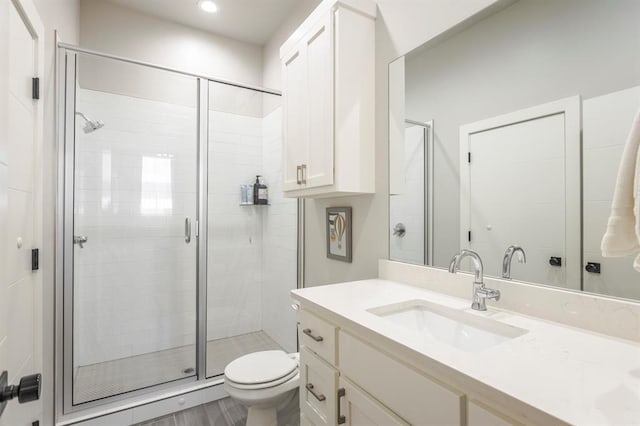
(208, 6)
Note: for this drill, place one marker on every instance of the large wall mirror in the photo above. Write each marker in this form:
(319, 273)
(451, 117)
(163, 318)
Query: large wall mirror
(506, 137)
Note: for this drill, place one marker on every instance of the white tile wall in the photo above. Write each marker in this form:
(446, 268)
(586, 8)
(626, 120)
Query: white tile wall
(409, 208)
(279, 254)
(235, 231)
(135, 281)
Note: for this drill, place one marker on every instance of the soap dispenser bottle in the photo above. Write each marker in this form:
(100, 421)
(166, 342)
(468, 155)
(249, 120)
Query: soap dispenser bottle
(260, 192)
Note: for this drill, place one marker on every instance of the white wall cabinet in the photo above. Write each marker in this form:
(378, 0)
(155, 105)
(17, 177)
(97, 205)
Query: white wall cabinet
(328, 67)
(345, 381)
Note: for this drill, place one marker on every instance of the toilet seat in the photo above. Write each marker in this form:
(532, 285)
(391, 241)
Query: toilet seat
(265, 385)
(261, 370)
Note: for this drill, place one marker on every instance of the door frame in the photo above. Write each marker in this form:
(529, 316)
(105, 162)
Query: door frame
(571, 107)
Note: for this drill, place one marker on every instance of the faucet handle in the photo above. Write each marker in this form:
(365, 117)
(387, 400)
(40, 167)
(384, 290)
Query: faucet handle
(489, 293)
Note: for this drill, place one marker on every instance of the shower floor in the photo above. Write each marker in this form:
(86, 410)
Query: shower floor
(110, 378)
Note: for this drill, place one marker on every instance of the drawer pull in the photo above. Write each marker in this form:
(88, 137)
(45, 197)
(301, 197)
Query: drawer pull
(307, 331)
(341, 419)
(320, 397)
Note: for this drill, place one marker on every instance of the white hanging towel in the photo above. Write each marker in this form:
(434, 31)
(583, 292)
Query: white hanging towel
(623, 231)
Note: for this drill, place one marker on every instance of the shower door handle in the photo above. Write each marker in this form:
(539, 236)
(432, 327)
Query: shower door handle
(187, 230)
(80, 240)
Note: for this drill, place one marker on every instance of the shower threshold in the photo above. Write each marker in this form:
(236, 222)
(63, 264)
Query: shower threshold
(105, 379)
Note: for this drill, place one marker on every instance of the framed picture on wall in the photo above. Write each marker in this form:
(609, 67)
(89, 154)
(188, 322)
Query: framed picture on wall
(339, 233)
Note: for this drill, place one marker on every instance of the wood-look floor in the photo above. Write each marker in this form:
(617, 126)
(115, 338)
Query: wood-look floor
(225, 412)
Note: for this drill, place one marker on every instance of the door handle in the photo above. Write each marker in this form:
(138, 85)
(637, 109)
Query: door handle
(80, 240)
(319, 397)
(304, 174)
(341, 418)
(28, 390)
(298, 178)
(187, 230)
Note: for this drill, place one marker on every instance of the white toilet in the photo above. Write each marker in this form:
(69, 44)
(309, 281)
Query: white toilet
(264, 382)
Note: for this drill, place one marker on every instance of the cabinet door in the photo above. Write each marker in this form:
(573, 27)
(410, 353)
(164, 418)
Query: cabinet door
(357, 408)
(416, 397)
(318, 389)
(295, 102)
(319, 60)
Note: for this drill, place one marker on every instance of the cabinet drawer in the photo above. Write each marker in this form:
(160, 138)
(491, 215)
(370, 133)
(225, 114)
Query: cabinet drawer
(318, 389)
(481, 415)
(408, 393)
(319, 336)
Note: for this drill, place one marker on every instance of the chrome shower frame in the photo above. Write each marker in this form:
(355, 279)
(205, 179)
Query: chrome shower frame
(64, 410)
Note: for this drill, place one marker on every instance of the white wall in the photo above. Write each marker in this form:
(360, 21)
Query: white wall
(279, 239)
(401, 26)
(234, 279)
(114, 29)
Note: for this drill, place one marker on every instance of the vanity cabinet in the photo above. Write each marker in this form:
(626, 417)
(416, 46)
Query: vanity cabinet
(481, 415)
(328, 102)
(344, 380)
(359, 409)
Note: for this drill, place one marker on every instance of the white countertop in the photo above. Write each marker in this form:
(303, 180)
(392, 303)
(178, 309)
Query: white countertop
(574, 375)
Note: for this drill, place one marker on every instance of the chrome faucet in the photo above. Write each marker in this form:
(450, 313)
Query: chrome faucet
(480, 292)
(508, 256)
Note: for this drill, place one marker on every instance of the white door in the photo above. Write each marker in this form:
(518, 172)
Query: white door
(359, 409)
(295, 119)
(319, 62)
(20, 192)
(519, 183)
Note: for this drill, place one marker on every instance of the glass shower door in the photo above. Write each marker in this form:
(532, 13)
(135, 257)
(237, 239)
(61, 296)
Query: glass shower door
(134, 217)
(252, 249)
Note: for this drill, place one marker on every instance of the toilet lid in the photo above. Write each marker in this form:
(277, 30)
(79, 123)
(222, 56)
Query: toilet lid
(260, 367)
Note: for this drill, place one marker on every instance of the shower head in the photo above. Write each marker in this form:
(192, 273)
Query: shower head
(90, 125)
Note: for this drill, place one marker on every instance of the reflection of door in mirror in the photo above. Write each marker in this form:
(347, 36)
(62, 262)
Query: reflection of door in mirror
(606, 123)
(407, 210)
(514, 178)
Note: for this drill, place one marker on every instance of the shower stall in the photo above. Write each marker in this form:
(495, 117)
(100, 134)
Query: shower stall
(165, 277)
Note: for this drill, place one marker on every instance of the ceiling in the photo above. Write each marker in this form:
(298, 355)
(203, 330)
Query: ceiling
(251, 21)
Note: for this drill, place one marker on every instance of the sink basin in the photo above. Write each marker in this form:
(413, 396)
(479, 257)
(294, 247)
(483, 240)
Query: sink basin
(457, 328)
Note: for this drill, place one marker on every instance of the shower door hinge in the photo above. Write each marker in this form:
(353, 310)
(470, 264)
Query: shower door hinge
(35, 88)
